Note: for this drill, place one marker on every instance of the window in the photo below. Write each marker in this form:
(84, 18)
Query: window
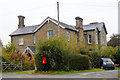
(21, 41)
(34, 39)
(103, 40)
(68, 36)
(50, 34)
(76, 37)
(96, 38)
(89, 39)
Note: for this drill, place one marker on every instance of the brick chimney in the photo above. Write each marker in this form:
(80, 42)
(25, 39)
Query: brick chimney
(79, 22)
(21, 21)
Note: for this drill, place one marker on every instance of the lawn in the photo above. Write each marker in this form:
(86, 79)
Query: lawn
(53, 72)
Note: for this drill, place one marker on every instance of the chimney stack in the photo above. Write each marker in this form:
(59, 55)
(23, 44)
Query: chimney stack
(21, 21)
(79, 22)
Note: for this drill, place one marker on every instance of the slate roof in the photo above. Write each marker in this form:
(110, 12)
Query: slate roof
(34, 28)
(24, 30)
(93, 26)
(66, 25)
(31, 48)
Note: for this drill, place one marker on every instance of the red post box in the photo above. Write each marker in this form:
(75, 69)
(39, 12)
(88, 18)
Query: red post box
(44, 60)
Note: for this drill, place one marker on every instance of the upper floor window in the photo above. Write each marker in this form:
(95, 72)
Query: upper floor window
(89, 39)
(50, 34)
(96, 36)
(103, 40)
(21, 41)
(34, 39)
(68, 36)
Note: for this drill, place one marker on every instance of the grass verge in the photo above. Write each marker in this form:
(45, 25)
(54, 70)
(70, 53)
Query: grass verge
(57, 72)
(117, 68)
(64, 72)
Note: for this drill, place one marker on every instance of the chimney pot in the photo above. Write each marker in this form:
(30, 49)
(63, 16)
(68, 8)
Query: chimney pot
(21, 21)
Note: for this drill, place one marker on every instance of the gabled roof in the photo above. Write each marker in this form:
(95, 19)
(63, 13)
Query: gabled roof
(30, 48)
(34, 28)
(93, 26)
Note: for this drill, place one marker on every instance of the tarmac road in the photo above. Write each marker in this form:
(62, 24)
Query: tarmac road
(99, 74)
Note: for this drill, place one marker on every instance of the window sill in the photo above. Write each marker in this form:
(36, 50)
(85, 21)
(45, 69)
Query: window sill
(89, 43)
(21, 44)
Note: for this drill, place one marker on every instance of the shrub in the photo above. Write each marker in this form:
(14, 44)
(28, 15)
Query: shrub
(28, 64)
(54, 49)
(10, 54)
(117, 56)
(94, 57)
(79, 62)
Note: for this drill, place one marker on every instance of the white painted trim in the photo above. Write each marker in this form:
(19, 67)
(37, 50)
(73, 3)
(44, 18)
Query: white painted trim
(46, 20)
(27, 49)
(88, 39)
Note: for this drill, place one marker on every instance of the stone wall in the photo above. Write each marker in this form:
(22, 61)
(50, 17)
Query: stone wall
(28, 41)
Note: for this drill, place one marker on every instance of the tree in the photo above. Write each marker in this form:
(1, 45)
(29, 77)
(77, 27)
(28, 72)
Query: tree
(114, 41)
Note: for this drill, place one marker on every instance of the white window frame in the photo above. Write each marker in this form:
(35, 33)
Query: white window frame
(96, 36)
(89, 39)
(50, 35)
(21, 41)
(34, 39)
(68, 36)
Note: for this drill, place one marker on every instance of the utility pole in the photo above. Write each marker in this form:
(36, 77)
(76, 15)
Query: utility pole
(58, 16)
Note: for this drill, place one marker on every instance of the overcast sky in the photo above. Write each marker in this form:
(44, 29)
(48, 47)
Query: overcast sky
(35, 11)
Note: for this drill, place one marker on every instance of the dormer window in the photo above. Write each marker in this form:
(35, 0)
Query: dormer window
(21, 41)
(50, 34)
(89, 39)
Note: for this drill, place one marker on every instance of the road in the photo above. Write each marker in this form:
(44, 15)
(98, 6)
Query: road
(99, 74)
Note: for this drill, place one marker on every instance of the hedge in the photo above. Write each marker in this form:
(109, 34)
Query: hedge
(79, 62)
(59, 57)
(54, 50)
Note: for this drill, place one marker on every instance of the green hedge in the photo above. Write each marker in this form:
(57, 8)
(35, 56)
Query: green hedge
(59, 57)
(54, 50)
(79, 62)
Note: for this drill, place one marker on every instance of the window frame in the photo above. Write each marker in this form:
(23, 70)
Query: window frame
(49, 35)
(21, 41)
(34, 39)
(68, 35)
(89, 39)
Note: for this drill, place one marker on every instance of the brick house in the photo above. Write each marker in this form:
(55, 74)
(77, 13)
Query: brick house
(1, 47)
(24, 38)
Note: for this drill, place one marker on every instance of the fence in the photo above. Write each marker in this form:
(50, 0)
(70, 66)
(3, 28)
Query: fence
(11, 66)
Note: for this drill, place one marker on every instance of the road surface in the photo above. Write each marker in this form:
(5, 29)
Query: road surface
(99, 74)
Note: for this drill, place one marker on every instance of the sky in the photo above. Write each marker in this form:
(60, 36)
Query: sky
(35, 11)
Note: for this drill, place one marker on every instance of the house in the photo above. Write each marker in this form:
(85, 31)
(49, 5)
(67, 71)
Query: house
(24, 38)
(1, 47)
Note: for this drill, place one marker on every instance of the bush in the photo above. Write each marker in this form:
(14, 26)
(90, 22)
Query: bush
(94, 57)
(28, 64)
(54, 49)
(79, 62)
(12, 55)
(117, 56)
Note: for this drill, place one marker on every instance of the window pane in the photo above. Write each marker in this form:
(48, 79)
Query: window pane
(21, 41)
(89, 39)
(50, 34)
